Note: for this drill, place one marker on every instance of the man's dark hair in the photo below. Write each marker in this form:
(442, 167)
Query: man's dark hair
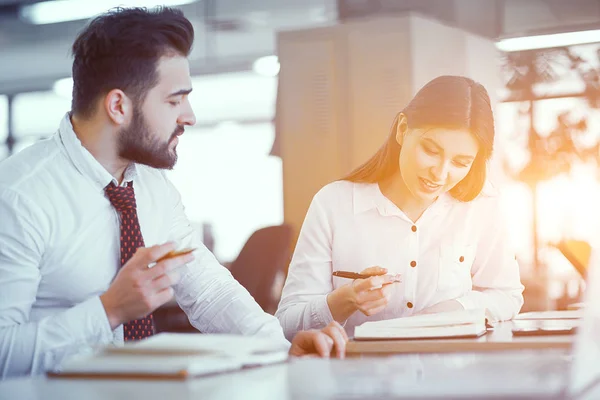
(120, 50)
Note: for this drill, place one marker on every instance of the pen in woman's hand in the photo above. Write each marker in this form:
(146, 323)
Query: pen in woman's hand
(350, 275)
(355, 275)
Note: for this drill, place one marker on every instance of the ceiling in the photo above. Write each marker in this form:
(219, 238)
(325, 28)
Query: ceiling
(231, 34)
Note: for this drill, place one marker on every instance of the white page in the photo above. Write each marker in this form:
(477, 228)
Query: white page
(431, 320)
(197, 343)
(561, 314)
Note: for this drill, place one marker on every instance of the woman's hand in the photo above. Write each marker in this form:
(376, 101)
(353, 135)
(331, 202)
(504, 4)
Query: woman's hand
(369, 296)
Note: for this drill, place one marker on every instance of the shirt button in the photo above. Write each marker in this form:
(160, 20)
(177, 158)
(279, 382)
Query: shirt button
(461, 259)
(414, 228)
(409, 305)
(413, 264)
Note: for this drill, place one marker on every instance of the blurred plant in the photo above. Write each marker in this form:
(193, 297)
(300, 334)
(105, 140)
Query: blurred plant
(524, 70)
(559, 151)
(527, 75)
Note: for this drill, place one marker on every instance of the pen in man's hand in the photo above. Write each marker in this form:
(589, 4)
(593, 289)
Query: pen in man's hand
(176, 253)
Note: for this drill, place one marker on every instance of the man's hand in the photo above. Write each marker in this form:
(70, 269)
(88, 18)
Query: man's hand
(320, 342)
(137, 289)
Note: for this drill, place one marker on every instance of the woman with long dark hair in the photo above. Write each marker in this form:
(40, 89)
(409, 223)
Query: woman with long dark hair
(420, 209)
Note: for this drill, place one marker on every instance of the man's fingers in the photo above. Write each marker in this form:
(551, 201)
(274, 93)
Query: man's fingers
(164, 296)
(168, 265)
(338, 334)
(373, 271)
(323, 344)
(341, 329)
(149, 255)
(166, 280)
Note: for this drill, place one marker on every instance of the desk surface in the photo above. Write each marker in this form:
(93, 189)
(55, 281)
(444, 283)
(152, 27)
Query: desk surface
(533, 374)
(500, 338)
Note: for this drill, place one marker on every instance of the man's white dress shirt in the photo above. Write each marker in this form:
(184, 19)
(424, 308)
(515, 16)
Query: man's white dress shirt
(59, 250)
(455, 250)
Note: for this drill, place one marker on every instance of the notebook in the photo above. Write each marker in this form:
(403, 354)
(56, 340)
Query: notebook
(544, 323)
(541, 327)
(551, 314)
(453, 324)
(173, 356)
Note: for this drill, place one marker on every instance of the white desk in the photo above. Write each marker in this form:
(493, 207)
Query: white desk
(473, 375)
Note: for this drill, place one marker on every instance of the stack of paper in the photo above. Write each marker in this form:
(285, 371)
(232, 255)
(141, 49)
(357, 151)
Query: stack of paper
(173, 356)
(463, 323)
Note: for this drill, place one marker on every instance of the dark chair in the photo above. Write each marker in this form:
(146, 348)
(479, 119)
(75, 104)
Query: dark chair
(265, 255)
(171, 318)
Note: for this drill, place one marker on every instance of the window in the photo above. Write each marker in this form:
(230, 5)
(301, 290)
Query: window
(233, 97)
(225, 174)
(227, 179)
(566, 197)
(38, 114)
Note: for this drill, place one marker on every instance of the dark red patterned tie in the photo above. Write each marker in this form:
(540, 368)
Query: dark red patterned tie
(123, 200)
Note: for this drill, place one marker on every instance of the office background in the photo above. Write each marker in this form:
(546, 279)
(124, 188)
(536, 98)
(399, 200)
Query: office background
(230, 171)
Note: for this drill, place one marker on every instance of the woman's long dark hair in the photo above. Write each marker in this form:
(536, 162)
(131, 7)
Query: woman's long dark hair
(448, 102)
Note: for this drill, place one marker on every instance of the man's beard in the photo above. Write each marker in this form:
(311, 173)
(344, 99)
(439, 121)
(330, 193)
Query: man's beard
(137, 144)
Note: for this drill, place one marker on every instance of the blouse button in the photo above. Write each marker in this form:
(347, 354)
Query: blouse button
(461, 259)
(409, 305)
(413, 264)
(414, 228)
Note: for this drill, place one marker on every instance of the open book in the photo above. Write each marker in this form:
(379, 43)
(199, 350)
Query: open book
(453, 324)
(173, 356)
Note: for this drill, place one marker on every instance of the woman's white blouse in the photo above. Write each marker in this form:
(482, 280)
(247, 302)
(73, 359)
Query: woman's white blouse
(455, 250)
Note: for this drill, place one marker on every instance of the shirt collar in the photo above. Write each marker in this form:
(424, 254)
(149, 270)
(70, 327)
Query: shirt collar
(365, 197)
(85, 162)
(368, 196)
